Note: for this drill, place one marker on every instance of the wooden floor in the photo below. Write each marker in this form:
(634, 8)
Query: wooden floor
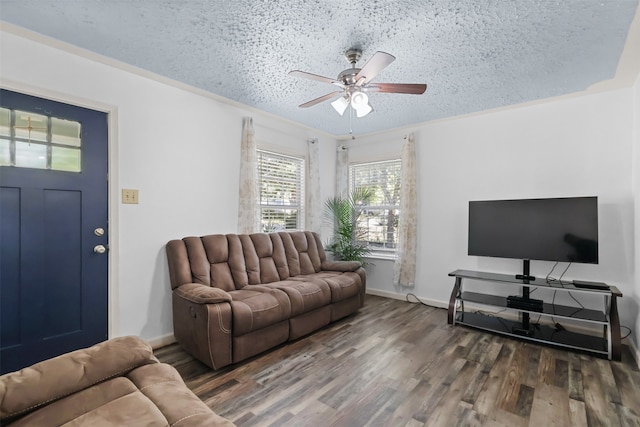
(400, 364)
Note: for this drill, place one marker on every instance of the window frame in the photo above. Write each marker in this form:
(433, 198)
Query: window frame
(300, 164)
(376, 251)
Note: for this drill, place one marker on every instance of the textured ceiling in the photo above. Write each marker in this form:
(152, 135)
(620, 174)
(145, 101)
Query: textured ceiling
(474, 55)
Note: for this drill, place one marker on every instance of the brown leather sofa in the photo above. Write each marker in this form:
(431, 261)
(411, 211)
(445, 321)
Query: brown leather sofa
(115, 383)
(235, 296)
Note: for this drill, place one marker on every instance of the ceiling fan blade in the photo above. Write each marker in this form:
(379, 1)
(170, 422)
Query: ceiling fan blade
(311, 76)
(374, 65)
(410, 88)
(320, 99)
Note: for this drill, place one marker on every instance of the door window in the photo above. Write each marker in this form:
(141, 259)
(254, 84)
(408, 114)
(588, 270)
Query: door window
(31, 140)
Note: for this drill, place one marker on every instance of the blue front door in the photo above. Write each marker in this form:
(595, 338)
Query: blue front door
(53, 214)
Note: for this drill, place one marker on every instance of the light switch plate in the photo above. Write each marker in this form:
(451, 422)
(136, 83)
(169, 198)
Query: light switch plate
(129, 196)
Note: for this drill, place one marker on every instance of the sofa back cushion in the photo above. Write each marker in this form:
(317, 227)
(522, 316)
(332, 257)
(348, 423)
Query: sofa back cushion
(301, 250)
(267, 258)
(231, 261)
(218, 273)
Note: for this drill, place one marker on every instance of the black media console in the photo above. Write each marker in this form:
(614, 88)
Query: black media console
(522, 307)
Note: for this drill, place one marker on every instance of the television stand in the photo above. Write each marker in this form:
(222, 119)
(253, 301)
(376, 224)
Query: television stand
(526, 267)
(607, 345)
(524, 332)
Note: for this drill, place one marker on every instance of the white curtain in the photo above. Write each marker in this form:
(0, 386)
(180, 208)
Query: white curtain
(342, 171)
(313, 204)
(248, 213)
(404, 269)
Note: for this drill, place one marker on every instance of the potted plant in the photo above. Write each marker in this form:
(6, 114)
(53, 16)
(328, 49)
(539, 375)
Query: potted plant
(343, 213)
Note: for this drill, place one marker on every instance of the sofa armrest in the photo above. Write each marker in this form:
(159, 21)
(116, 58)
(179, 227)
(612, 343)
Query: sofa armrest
(164, 386)
(341, 265)
(40, 384)
(201, 294)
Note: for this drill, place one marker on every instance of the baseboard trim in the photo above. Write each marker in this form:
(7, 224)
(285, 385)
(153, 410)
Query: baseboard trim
(403, 297)
(162, 341)
(634, 350)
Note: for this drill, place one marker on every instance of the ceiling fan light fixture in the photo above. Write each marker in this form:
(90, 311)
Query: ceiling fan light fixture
(340, 104)
(360, 103)
(358, 99)
(363, 110)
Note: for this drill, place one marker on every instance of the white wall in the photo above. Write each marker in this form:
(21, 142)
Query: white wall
(180, 149)
(576, 146)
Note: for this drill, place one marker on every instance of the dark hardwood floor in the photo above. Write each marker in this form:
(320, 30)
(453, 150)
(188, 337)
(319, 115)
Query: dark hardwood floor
(400, 364)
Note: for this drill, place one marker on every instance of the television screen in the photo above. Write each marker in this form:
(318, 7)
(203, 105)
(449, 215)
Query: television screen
(561, 229)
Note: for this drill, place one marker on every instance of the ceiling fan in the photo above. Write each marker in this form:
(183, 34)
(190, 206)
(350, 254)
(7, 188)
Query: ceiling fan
(355, 83)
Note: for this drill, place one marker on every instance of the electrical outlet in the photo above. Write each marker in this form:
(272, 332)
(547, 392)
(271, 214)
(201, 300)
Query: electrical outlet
(129, 196)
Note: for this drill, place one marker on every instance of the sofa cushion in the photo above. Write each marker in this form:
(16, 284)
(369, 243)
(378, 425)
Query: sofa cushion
(280, 256)
(199, 264)
(255, 307)
(342, 285)
(217, 249)
(52, 379)
(132, 409)
(304, 255)
(305, 295)
(113, 402)
(272, 262)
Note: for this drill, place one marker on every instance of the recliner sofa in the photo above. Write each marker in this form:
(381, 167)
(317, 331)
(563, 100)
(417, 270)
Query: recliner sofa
(118, 382)
(235, 296)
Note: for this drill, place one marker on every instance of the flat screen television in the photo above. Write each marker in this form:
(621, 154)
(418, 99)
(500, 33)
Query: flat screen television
(558, 229)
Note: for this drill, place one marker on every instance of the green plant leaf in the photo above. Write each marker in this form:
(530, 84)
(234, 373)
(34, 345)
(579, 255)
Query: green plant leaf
(343, 214)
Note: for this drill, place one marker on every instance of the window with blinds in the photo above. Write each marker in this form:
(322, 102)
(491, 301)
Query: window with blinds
(281, 183)
(378, 222)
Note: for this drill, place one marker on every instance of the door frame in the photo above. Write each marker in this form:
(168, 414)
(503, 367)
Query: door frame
(113, 200)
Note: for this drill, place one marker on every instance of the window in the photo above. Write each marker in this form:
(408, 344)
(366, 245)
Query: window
(30, 140)
(378, 222)
(281, 183)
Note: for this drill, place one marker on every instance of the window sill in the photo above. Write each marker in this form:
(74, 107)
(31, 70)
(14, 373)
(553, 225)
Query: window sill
(389, 257)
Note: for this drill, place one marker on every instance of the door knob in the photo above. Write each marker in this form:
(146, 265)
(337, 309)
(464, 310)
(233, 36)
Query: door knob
(99, 231)
(99, 249)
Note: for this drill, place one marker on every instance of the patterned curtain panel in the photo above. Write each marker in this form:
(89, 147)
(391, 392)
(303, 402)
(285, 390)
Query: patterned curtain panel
(248, 201)
(342, 171)
(313, 204)
(404, 269)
